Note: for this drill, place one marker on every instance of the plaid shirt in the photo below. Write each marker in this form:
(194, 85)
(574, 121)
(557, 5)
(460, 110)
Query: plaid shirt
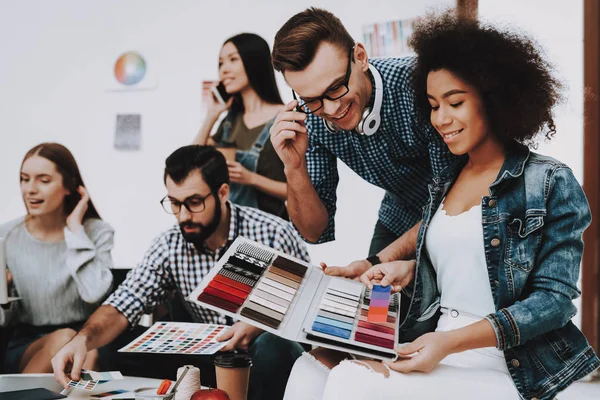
(174, 264)
(400, 157)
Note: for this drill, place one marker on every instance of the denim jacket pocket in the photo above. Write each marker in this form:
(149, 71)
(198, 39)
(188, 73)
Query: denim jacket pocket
(558, 343)
(523, 240)
(430, 311)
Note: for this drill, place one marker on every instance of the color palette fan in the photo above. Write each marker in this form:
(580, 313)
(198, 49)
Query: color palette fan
(289, 298)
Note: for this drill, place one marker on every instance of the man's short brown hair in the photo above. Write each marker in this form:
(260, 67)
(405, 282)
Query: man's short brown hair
(299, 38)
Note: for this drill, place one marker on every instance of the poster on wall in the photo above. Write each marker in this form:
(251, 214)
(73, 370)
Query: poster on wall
(131, 70)
(128, 132)
(388, 39)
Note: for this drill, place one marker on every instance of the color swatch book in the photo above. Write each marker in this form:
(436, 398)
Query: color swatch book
(88, 380)
(292, 299)
(178, 338)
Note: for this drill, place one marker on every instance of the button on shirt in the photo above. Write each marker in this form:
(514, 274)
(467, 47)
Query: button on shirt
(174, 264)
(400, 157)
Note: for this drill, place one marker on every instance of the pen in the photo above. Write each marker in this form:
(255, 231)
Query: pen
(185, 370)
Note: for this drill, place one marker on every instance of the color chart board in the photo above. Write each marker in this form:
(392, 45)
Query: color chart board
(178, 338)
(297, 301)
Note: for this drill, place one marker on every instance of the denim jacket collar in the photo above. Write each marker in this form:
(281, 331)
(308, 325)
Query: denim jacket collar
(513, 167)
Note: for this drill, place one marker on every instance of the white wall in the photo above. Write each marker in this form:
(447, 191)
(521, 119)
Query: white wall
(558, 27)
(55, 59)
(56, 55)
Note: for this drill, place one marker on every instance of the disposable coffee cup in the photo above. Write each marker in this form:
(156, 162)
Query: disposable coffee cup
(233, 374)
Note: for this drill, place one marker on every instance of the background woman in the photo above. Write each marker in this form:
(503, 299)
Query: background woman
(500, 245)
(247, 74)
(58, 259)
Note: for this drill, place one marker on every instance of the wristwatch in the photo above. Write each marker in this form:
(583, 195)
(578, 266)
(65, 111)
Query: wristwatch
(373, 259)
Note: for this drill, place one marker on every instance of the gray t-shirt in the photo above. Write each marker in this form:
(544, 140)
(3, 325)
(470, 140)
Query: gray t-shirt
(58, 282)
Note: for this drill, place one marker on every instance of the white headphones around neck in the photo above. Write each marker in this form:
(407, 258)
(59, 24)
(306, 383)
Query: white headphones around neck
(371, 118)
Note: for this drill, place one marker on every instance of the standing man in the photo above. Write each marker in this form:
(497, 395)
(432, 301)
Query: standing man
(358, 110)
(197, 182)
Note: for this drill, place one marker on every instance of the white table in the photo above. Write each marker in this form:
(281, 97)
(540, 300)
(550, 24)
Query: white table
(29, 381)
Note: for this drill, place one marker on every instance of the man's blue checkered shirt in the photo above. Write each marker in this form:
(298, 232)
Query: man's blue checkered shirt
(174, 264)
(400, 157)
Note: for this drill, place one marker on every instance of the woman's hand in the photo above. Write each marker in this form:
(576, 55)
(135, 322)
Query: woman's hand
(75, 219)
(396, 273)
(215, 107)
(239, 174)
(354, 270)
(422, 355)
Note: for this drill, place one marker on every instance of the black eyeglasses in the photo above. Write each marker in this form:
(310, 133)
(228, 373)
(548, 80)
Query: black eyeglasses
(314, 105)
(194, 204)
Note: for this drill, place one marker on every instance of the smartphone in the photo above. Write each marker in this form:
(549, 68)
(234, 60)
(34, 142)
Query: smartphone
(220, 93)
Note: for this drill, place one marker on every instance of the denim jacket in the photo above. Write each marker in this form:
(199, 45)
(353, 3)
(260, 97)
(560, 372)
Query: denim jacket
(533, 222)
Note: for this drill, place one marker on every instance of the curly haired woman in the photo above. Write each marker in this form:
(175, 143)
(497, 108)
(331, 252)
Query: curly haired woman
(499, 248)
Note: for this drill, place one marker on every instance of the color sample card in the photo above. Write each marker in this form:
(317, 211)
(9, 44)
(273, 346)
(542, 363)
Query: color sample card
(338, 308)
(89, 375)
(84, 385)
(88, 379)
(256, 283)
(345, 309)
(178, 338)
(380, 302)
(382, 334)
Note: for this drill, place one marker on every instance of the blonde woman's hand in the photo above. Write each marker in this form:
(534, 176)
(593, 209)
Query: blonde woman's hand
(75, 219)
(396, 273)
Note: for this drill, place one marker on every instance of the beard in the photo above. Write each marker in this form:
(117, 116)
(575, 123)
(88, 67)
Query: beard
(204, 231)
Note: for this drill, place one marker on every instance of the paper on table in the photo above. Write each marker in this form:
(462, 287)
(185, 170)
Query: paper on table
(178, 338)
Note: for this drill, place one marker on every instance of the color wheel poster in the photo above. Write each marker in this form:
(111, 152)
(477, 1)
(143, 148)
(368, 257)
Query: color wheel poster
(131, 70)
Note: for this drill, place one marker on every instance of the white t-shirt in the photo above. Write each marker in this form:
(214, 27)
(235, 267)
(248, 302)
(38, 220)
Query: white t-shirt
(456, 249)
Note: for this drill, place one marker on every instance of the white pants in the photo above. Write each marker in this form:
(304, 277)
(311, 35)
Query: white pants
(472, 374)
(351, 380)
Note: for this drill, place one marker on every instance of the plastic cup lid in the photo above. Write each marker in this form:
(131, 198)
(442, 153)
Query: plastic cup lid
(233, 361)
